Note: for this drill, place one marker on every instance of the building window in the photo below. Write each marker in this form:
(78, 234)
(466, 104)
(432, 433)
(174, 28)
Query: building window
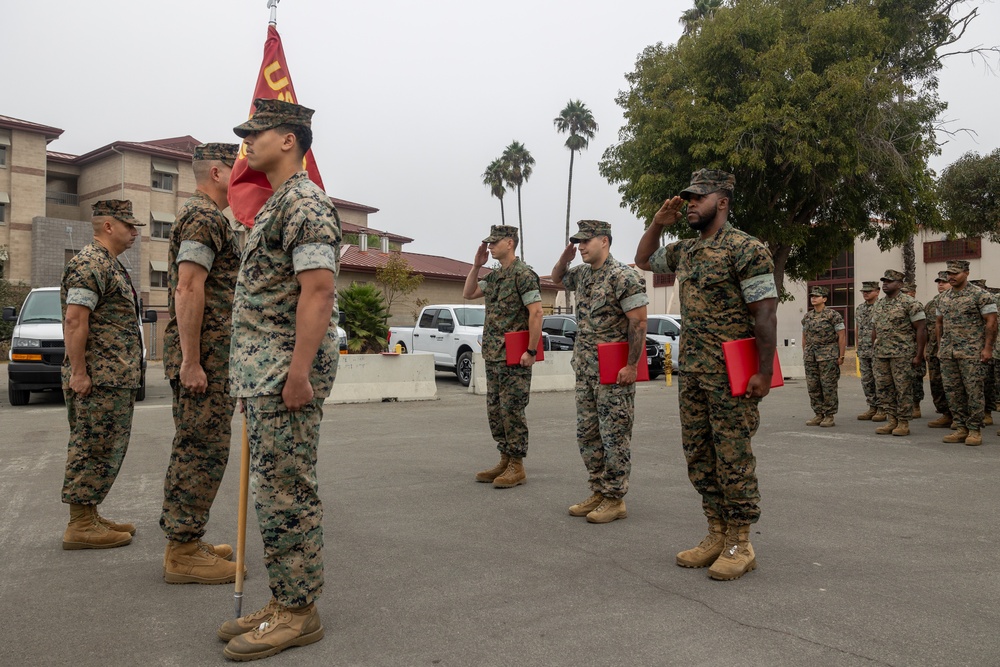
(839, 280)
(942, 251)
(3, 155)
(160, 230)
(3, 214)
(164, 173)
(664, 279)
(158, 279)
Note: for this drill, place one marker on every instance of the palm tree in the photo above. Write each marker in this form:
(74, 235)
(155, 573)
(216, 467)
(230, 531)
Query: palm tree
(518, 163)
(692, 18)
(494, 178)
(576, 119)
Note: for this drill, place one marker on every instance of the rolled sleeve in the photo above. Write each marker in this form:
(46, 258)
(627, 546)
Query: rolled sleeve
(314, 256)
(917, 317)
(658, 261)
(759, 288)
(532, 296)
(839, 327)
(634, 301)
(80, 296)
(199, 253)
(482, 285)
(988, 308)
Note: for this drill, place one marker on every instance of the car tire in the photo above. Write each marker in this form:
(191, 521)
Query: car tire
(402, 348)
(140, 395)
(18, 396)
(463, 369)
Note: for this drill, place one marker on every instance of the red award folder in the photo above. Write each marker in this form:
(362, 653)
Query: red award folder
(516, 342)
(612, 357)
(742, 362)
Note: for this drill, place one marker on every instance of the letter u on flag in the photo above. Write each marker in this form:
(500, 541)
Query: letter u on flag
(249, 189)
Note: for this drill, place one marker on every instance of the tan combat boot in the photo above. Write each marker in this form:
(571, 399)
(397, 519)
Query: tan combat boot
(708, 549)
(974, 439)
(587, 506)
(916, 412)
(237, 626)
(114, 525)
(609, 510)
(867, 415)
(737, 556)
(488, 476)
(887, 427)
(84, 531)
(815, 421)
(880, 416)
(902, 428)
(958, 436)
(223, 551)
(512, 476)
(988, 419)
(944, 421)
(827, 421)
(286, 627)
(193, 563)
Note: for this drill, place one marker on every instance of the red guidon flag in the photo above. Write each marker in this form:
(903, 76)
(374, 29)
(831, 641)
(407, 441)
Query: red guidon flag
(249, 189)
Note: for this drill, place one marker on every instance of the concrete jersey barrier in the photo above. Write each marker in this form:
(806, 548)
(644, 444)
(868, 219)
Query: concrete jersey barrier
(369, 378)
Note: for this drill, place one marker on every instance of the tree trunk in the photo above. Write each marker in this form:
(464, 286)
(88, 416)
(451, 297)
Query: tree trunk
(909, 261)
(503, 220)
(520, 224)
(780, 255)
(569, 194)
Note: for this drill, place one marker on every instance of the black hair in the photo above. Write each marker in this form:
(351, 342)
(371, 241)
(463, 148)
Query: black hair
(303, 135)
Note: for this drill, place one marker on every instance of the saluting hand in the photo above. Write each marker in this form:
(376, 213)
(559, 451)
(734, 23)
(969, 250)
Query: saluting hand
(482, 255)
(568, 254)
(669, 213)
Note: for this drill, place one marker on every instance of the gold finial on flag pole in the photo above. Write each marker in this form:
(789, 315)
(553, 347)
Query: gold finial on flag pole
(273, 6)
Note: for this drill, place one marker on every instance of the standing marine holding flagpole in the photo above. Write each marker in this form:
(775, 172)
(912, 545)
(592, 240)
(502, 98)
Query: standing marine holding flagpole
(283, 363)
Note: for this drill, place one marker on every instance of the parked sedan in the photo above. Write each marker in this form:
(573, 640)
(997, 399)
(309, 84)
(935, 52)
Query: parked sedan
(561, 330)
(665, 329)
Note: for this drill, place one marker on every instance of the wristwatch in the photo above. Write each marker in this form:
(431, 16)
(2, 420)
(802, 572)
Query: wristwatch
(532, 352)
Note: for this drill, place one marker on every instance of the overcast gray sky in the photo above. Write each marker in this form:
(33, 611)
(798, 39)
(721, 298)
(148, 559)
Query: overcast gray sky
(413, 99)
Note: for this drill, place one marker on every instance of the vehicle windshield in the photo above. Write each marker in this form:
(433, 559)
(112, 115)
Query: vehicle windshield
(42, 307)
(471, 317)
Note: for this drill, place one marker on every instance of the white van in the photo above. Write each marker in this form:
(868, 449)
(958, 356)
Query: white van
(37, 348)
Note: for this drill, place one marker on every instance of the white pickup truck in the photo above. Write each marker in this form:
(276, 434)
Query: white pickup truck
(452, 333)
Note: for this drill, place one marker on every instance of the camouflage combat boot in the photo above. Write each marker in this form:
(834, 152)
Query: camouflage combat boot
(512, 476)
(916, 412)
(958, 436)
(84, 531)
(609, 510)
(193, 563)
(902, 428)
(827, 421)
(867, 415)
(944, 421)
(737, 556)
(974, 439)
(880, 416)
(887, 427)
(237, 626)
(489, 475)
(114, 525)
(587, 506)
(285, 628)
(988, 419)
(815, 421)
(708, 549)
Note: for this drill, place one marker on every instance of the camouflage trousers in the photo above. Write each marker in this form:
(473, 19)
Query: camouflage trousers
(894, 386)
(919, 373)
(716, 429)
(937, 385)
(202, 432)
(868, 381)
(604, 418)
(963, 384)
(285, 490)
(821, 380)
(100, 425)
(989, 386)
(508, 389)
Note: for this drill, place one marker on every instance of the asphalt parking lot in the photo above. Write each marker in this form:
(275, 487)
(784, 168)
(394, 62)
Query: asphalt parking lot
(872, 550)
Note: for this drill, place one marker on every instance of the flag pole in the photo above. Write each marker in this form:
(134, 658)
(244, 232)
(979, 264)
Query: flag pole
(241, 521)
(273, 6)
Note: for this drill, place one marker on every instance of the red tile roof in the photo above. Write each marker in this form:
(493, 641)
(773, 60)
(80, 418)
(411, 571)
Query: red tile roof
(351, 228)
(50, 133)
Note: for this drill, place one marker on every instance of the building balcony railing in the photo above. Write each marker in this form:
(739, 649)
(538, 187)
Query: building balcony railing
(62, 198)
(942, 251)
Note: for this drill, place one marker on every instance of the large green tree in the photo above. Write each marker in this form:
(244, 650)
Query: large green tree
(495, 178)
(828, 140)
(579, 121)
(969, 190)
(518, 165)
(692, 18)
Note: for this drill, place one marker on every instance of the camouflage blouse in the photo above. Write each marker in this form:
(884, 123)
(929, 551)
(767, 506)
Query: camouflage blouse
(930, 310)
(893, 319)
(863, 319)
(963, 333)
(819, 331)
(718, 277)
(508, 293)
(95, 279)
(298, 229)
(202, 235)
(602, 299)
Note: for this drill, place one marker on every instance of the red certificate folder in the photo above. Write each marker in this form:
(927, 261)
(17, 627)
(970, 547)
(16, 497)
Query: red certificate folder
(742, 362)
(612, 357)
(516, 342)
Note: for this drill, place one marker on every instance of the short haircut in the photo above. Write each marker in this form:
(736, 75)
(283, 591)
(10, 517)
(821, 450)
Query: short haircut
(728, 194)
(609, 239)
(303, 135)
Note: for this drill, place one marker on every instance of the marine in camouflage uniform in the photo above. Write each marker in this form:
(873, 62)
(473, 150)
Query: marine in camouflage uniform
(727, 293)
(967, 327)
(933, 363)
(865, 346)
(823, 344)
(610, 307)
(513, 303)
(283, 364)
(920, 370)
(203, 260)
(898, 321)
(101, 374)
(990, 378)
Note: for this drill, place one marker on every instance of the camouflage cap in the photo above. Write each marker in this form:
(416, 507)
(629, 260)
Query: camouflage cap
(222, 152)
(707, 181)
(819, 291)
(870, 286)
(498, 232)
(942, 277)
(909, 287)
(957, 265)
(591, 228)
(892, 274)
(272, 113)
(119, 209)
(979, 282)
